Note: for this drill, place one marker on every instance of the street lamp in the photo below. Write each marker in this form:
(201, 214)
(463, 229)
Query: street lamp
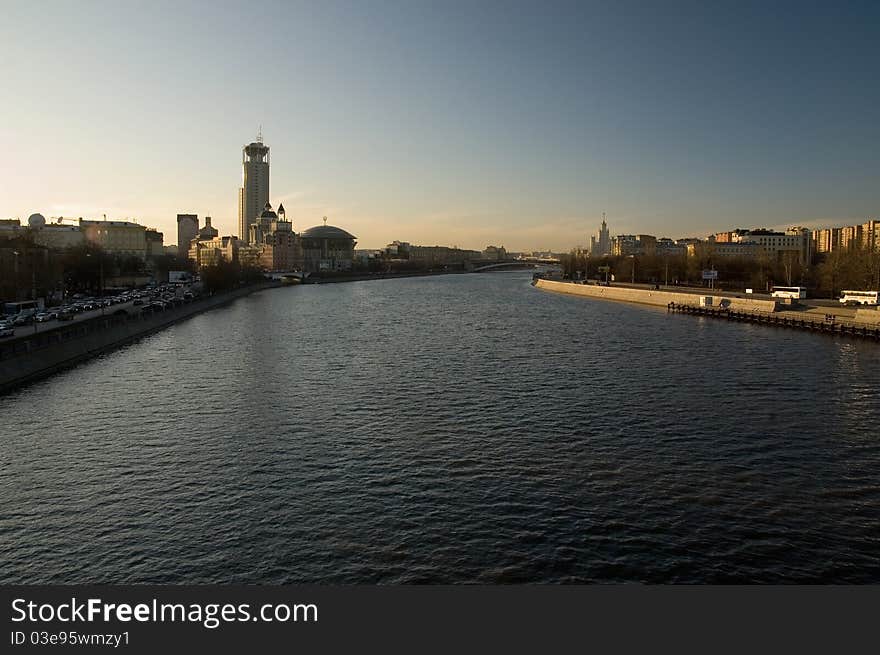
(101, 281)
(16, 253)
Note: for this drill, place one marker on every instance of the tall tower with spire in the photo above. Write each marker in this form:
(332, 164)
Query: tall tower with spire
(600, 244)
(254, 192)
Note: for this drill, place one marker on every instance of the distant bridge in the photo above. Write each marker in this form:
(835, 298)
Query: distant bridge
(515, 264)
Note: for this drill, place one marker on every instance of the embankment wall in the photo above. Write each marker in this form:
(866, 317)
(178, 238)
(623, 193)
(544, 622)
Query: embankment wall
(869, 316)
(657, 298)
(45, 353)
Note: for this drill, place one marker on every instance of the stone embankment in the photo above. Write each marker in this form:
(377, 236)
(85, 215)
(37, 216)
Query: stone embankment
(829, 320)
(655, 297)
(30, 358)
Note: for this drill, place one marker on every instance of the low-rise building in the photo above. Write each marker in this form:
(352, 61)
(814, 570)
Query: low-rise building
(442, 255)
(122, 238)
(624, 245)
(9, 228)
(495, 253)
(153, 239)
(725, 249)
(213, 251)
(667, 247)
(327, 248)
(795, 241)
(398, 250)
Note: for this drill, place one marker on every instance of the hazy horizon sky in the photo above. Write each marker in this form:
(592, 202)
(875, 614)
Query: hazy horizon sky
(454, 123)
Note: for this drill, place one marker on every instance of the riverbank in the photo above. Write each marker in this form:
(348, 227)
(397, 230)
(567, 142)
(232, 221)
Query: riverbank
(654, 297)
(829, 320)
(31, 358)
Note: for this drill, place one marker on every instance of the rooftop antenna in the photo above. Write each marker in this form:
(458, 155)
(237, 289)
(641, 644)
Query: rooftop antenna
(325, 220)
(260, 133)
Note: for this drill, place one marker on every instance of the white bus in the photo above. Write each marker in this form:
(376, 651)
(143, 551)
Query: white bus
(798, 293)
(16, 308)
(859, 297)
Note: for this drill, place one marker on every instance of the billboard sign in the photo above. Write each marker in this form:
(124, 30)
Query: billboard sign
(179, 276)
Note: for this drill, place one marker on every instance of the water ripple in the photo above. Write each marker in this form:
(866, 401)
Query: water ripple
(449, 429)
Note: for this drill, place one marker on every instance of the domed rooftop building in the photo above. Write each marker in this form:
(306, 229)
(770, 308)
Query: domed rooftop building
(56, 236)
(327, 248)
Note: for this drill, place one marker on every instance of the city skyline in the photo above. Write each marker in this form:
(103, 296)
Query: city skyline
(492, 124)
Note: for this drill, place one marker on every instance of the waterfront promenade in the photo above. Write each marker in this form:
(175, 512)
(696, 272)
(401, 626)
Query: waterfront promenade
(823, 318)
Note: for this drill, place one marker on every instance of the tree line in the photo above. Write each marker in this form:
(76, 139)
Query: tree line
(825, 276)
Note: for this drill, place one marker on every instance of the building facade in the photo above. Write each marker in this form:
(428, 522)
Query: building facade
(55, 236)
(187, 229)
(441, 255)
(327, 248)
(213, 251)
(272, 234)
(153, 239)
(795, 242)
(495, 253)
(208, 232)
(871, 235)
(122, 238)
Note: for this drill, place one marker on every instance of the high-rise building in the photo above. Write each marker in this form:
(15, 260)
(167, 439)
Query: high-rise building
(254, 192)
(187, 229)
(827, 240)
(851, 236)
(871, 235)
(600, 244)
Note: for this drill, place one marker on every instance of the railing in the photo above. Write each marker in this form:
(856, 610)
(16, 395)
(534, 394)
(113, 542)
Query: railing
(828, 323)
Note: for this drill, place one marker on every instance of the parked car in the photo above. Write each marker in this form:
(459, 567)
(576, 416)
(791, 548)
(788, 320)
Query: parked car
(6, 330)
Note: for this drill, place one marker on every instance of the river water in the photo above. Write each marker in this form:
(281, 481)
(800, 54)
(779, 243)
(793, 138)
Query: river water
(463, 428)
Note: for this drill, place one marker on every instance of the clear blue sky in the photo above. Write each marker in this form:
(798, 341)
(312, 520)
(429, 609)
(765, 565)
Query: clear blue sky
(454, 123)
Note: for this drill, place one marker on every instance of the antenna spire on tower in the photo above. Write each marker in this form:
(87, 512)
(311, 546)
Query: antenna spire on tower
(260, 133)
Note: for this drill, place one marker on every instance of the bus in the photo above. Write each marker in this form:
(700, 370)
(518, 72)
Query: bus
(859, 297)
(797, 293)
(15, 308)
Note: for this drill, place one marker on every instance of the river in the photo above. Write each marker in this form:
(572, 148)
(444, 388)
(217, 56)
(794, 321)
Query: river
(461, 428)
